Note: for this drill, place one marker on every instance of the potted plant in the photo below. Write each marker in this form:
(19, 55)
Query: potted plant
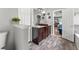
(15, 20)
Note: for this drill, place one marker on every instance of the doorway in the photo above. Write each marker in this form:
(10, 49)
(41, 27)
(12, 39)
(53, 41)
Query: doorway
(57, 23)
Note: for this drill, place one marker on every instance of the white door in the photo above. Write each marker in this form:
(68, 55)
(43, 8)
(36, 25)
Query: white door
(67, 24)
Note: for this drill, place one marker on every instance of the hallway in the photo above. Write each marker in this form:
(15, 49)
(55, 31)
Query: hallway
(54, 43)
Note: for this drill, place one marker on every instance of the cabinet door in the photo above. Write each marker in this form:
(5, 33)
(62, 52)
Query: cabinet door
(67, 24)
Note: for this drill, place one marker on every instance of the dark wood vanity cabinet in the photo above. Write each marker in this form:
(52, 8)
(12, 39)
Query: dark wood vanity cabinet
(38, 34)
(47, 29)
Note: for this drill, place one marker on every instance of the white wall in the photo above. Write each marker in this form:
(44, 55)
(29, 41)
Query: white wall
(35, 13)
(25, 15)
(76, 20)
(6, 15)
(76, 16)
(49, 21)
(45, 20)
(58, 13)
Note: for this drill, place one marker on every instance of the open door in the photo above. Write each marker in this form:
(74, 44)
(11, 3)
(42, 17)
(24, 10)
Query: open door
(58, 23)
(67, 24)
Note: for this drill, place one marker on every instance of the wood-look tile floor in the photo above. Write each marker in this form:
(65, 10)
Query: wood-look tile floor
(53, 43)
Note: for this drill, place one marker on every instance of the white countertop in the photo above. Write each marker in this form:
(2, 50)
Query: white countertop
(37, 26)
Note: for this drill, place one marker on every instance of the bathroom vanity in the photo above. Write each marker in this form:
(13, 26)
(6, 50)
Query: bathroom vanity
(40, 32)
